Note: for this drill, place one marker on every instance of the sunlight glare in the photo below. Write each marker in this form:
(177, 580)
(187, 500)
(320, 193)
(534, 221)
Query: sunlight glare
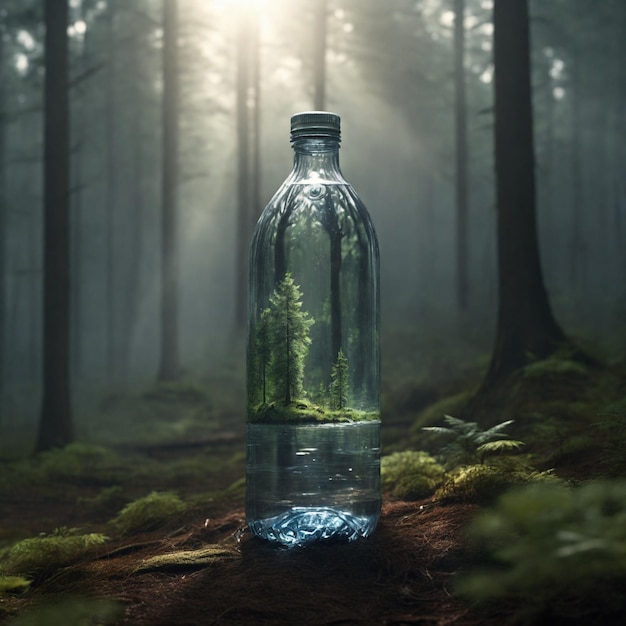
(447, 19)
(486, 29)
(470, 21)
(77, 29)
(247, 5)
(556, 71)
(21, 63)
(487, 76)
(26, 40)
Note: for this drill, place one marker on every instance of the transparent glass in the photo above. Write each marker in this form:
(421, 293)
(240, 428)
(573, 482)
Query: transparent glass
(313, 470)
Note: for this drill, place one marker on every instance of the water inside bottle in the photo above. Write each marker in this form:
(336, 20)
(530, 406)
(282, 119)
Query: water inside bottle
(313, 482)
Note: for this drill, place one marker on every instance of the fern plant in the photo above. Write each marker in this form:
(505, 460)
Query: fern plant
(469, 443)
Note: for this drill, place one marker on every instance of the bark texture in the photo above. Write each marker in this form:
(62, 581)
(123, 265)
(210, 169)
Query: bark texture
(526, 326)
(55, 425)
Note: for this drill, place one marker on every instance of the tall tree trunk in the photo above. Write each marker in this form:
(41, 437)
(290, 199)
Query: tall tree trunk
(525, 324)
(243, 168)
(3, 232)
(248, 151)
(55, 425)
(576, 245)
(169, 368)
(76, 208)
(460, 114)
(551, 254)
(320, 28)
(618, 153)
(133, 280)
(111, 197)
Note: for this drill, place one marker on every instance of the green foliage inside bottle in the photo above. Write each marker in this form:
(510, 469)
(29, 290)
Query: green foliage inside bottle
(277, 360)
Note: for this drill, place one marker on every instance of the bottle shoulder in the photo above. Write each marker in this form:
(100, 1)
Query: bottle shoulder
(306, 197)
(299, 207)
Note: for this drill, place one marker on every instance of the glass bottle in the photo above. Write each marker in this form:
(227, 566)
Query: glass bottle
(313, 369)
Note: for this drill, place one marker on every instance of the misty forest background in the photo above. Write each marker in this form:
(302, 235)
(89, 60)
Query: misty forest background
(177, 136)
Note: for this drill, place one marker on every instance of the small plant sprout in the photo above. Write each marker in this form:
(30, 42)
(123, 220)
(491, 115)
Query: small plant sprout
(470, 444)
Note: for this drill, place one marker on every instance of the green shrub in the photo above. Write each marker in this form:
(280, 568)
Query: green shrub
(49, 552)
(410, 475)
(555, 552)
(150, 512)
(468, 443)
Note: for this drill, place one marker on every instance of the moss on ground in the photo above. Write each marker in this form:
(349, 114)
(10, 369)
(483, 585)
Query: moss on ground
(33, 556)
(13, 584)
(555, 367)
(149, 513)
(186, 559)
(410, 475)
(483, 483)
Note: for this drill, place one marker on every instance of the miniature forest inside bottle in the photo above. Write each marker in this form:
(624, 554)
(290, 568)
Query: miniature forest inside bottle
(291, 378)
(480, 453)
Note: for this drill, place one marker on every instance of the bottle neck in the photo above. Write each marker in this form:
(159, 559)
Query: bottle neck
(316, 159)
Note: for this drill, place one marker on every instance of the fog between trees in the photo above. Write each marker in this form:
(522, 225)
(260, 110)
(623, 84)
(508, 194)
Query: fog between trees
(389, 73)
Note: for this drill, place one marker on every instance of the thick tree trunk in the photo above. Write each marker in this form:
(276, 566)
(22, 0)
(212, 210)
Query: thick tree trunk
(55, 425)
(526, 325)
(460, 111)
(169, 368)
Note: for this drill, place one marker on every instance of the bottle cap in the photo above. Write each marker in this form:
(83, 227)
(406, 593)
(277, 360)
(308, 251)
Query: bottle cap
(315, 124)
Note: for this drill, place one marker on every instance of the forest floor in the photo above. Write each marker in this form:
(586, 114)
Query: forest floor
(198, 564)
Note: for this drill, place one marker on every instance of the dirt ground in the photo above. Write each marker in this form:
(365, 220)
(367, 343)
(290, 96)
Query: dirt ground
(400, 575)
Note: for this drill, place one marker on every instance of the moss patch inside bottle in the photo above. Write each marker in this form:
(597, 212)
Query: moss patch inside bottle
(307, 413)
